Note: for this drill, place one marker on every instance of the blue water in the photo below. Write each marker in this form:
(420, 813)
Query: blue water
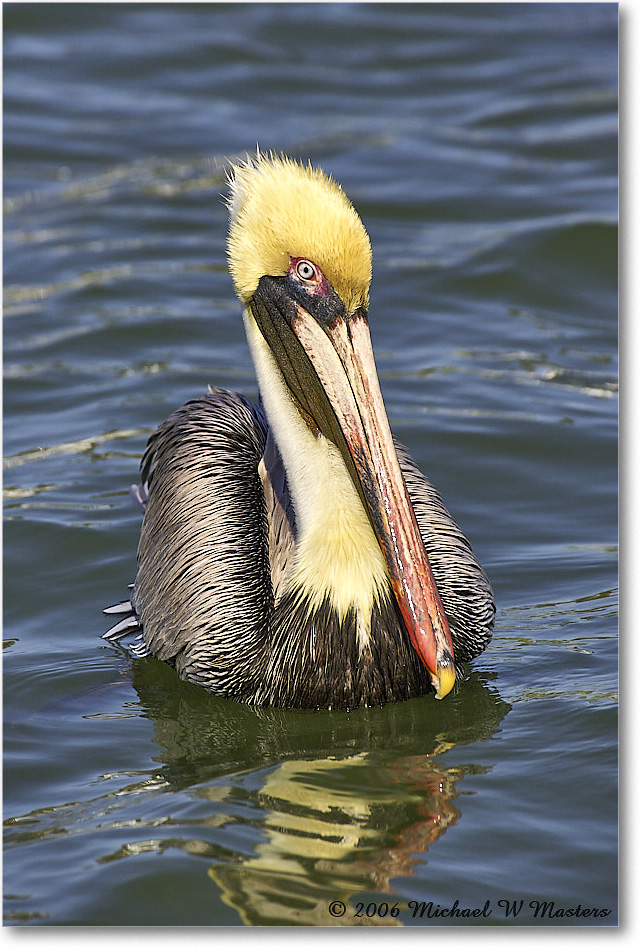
(479, 145)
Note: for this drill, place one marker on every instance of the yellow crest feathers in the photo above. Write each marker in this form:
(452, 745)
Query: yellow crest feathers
(280, 209)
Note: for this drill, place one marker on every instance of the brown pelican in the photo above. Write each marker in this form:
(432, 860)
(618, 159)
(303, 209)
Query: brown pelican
(291, 553)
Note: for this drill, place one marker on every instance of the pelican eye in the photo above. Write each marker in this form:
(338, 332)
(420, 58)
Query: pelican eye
(305, 270)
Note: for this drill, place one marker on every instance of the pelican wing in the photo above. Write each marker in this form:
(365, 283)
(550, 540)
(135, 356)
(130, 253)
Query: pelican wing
(203, 588)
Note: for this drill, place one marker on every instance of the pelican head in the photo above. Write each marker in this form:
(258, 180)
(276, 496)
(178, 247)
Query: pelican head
(282, 211)
(301, 261)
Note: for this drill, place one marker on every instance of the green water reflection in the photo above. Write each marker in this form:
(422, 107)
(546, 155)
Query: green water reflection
(355, 800)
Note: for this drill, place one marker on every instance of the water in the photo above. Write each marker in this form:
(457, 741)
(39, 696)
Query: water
(479, 145)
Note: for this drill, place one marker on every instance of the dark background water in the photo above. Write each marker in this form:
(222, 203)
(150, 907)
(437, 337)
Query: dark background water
(478, 142)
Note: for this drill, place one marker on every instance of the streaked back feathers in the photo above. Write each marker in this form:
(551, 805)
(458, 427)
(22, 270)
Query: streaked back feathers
(281, 209)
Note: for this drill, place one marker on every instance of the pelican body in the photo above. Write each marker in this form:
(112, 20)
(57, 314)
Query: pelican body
(291, 552)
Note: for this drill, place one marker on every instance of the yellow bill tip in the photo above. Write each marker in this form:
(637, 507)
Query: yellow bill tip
(444, 680)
